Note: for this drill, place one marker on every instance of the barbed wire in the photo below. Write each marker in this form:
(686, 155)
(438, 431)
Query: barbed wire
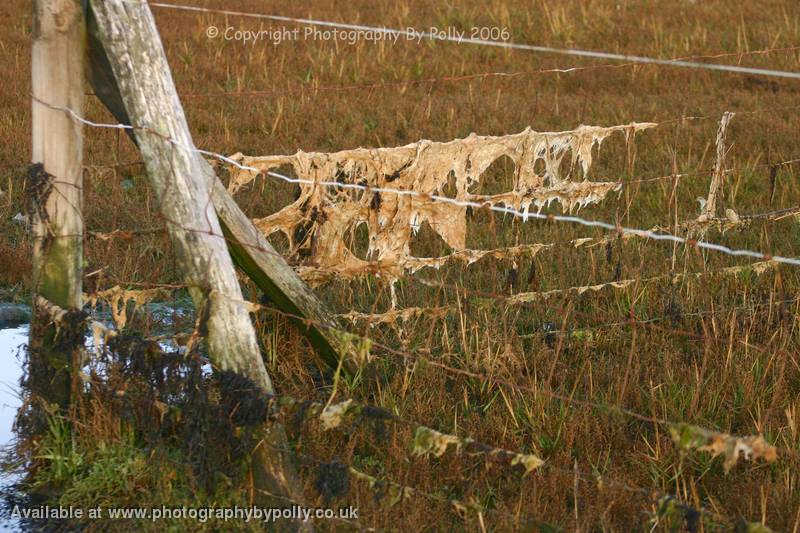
(472, 256)
(483, 42)
(525, 215)
(407, 356)
(442, 79)
(407, 490)
(624, 183)
(438, 311)
(631, 320)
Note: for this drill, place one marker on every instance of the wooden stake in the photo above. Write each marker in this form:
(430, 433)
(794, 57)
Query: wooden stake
(251, 251)
(54, 185)
(128, 33)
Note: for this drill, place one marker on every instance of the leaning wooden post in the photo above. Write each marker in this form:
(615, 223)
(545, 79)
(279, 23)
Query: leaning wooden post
(54, 185)
(251, 251)
(128, 32)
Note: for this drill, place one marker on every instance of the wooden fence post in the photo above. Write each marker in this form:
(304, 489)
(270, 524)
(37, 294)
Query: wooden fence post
(128, 33)
(251, 251)
(54, 185)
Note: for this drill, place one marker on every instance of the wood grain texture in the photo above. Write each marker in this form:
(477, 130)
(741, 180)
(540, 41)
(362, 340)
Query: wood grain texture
(56, 217)
(54, 188)
(128, 33)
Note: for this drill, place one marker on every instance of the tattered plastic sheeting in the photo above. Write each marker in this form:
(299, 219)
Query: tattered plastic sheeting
(321, 224)
(394, 316)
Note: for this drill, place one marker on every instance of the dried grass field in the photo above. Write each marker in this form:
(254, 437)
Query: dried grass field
(583, 353)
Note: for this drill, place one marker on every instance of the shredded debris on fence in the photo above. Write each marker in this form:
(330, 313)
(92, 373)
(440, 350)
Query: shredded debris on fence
(689, 437)
(322, 223)
(118, 299)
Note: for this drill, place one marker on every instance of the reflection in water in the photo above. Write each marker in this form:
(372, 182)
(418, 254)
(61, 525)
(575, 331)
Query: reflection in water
(11, 342)
(13, 338)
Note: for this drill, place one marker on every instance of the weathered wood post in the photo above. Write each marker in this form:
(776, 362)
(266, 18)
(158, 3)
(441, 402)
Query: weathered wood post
(718, 177)
(128, 33)
(250, 250)
(54, 185)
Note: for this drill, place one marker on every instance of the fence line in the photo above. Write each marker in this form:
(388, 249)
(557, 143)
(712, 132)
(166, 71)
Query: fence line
(360, 346)
(434, 80)
(630, 321)
(406, 314)
(407, 491)
(664, 177)
(428, 441)
(535, 296)
(418, 35)
(470, 256)
(524, 215)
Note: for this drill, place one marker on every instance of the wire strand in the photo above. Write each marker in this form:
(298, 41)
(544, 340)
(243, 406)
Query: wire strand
(419, 35)
(525, 215)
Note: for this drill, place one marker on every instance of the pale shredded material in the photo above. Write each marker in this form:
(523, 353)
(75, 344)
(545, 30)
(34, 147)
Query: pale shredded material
(393, 316)
(317, 275)
(405, 315)
(321, 224)
(118, 299)
(528, 460)
(332, 416)
(757, 269)
(100, 333)
(429, 441)
(731, 447)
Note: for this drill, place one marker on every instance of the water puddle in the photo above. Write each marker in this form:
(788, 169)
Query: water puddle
(14, 327)
(12, 342)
